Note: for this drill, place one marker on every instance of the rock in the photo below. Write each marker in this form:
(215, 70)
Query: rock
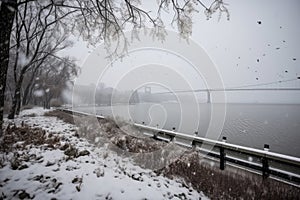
(23, 167)
(64, 147)
(39, 157)
(38, 178)
(56, 170)
(77, 188)
(76, 180)
(99, 172)
(71, 152)
(15, 164)
(24, 195)
(137, 177)
(51, 191)
(57, 185)
(48, 164)
(180, 196)
(83, 153)
(76, 135)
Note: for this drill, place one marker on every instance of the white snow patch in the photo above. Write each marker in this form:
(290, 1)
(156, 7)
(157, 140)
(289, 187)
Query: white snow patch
(101, 175)
(37, 111)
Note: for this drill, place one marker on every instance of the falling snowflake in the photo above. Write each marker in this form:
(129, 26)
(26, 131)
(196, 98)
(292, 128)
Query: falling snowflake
(38, 93)
(97, 139)
(250, 158)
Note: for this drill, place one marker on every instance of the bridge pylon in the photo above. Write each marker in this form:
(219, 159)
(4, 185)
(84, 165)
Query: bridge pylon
(208, 96)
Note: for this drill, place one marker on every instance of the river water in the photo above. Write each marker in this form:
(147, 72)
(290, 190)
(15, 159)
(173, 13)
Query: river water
(251, 125)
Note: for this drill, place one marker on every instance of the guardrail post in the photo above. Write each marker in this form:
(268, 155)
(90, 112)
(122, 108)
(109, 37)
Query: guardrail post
(172, 138)
(265, 163)
(265, 168)
(155, 135)
(194, 145)
(222, 158)
(222, 155)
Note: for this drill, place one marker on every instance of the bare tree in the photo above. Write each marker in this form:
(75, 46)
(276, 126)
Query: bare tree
(95, 20)
(7, 13)
(105, 20)
(37, 34)
(53, 79)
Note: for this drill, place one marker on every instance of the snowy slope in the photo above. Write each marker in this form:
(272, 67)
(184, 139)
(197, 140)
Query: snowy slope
(98, 174)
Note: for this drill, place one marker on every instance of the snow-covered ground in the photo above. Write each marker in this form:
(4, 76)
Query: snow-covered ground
(97, 173)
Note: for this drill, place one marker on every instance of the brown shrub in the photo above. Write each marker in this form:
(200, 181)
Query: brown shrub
(136, 145)
(19, 137)
(27, 107)
(56, 103)
(66, 117)
(227, 184)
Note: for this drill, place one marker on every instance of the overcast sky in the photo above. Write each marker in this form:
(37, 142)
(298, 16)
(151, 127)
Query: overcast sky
(259, 44)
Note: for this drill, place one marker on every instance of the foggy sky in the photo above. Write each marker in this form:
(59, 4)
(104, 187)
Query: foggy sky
(259, 44)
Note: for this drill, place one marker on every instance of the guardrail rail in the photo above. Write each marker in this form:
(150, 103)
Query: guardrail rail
(268, 164)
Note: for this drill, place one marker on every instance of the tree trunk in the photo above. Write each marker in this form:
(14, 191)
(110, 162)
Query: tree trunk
(7, 13)
(47, 101)
(17, 97)
(19, 106)
(28, 89)
(25, 98)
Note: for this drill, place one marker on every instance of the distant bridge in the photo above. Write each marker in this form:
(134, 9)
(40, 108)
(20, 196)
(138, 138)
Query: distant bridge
(227, 90)
(240, 88)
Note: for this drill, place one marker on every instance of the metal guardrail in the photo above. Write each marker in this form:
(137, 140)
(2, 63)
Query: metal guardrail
(269, 164)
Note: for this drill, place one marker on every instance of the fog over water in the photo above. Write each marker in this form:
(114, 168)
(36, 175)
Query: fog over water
(251, 125)
(258, 48)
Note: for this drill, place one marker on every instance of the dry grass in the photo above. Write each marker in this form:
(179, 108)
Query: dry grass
(136, 145)
(27, 107)
(68, 118)
(19, 137)
(17, 140)
(202, 176)
(30, 115)
(108, 129)
(227, 184)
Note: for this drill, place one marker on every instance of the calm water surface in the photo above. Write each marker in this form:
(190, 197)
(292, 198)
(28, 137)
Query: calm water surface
(251, 125)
